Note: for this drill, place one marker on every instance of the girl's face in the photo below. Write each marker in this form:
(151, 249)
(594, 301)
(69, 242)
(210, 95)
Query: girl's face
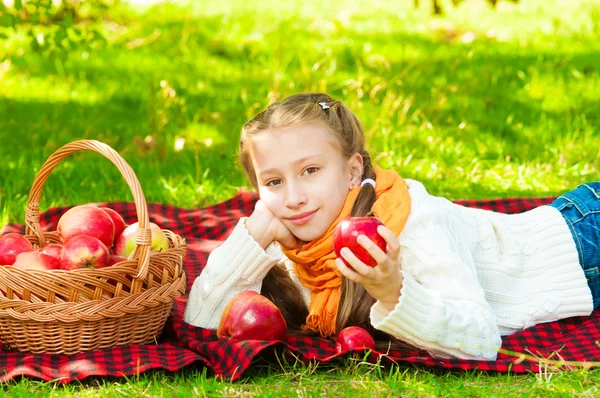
(303, 177)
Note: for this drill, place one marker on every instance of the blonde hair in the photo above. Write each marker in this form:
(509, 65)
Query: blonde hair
(355, 302)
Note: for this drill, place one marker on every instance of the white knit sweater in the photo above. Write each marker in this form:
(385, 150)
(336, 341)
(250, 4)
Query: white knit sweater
(469, 276)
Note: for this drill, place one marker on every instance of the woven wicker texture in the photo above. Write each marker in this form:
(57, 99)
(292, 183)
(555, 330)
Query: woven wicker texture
(66, 312)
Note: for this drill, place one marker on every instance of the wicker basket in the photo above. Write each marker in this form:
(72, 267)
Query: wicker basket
(65, 312)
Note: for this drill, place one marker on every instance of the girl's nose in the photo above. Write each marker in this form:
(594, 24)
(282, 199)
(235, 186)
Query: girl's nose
(294, 196)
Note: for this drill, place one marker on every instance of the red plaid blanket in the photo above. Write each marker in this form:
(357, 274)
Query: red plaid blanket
(574, 339)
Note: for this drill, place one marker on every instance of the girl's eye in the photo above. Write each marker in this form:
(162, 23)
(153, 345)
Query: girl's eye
(272, 183)
(310, 170)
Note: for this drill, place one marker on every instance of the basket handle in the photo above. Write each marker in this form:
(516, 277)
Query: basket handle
(143, 237)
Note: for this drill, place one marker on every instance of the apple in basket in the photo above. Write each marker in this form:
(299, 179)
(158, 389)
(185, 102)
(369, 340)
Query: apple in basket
(84, 251)
(118, 221)
(126, 242)
(52, 249)
(11, 245)
(251, 316)
(86, 220)
(353, 337)
(37, 261)
(113, 259)
(349, 229)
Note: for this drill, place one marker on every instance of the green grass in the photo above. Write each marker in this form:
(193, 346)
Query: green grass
(512, 113)
(350, 377)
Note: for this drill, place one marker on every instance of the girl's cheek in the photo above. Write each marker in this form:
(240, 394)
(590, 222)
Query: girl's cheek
(263, 193)
(270, 199)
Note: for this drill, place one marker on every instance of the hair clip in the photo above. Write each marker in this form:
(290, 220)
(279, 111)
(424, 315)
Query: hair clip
(324, 105)
(367, 181)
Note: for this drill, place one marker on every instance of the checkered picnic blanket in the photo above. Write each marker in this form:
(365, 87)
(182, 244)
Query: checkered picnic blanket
(573, 339)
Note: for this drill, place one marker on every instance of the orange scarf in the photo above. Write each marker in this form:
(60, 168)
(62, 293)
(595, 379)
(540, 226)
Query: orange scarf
(314, 262)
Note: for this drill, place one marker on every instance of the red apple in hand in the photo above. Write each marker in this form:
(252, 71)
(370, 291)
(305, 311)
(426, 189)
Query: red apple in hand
(11, 245)
(251, 316)
(86, 220)
(36, 260)
(126, 242)
(120, 224)
(353, 337)
(51, 250)
(349, 229)
(83, 251)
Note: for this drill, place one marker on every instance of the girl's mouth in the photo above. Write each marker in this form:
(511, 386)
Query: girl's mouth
(303, 218)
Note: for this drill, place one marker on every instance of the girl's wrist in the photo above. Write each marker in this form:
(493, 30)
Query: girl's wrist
(390, 305)
(391, 300)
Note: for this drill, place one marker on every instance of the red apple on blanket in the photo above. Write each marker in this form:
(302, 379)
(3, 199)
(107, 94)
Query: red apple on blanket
(12, 245)
(353, 338)
(83, 251)
(126, 242)
(37, 261)
(120, 224)
(52, 249)
(251, 316)
(86, 220)
(349, 229)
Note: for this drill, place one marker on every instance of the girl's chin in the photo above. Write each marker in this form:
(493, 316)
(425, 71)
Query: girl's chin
(306, 236)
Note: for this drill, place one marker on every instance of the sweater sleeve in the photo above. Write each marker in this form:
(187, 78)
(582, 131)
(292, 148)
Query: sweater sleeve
(442, 307)
(239, 264)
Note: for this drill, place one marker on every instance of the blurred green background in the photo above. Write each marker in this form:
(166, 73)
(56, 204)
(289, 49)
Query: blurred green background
(479, 102)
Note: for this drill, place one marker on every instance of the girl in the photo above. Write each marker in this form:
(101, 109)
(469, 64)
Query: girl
(453, 279)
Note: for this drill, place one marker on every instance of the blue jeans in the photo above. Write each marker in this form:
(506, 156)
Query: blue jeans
(581, 210)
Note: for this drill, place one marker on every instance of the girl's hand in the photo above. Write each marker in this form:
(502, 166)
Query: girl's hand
(266, 228)
(384, 281)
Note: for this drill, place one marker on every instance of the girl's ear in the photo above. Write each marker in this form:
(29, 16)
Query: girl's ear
(355, 167)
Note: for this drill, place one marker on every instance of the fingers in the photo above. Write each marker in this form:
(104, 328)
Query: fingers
(289, 241)
(391, 239)
(346, 271)
(384, 260)
(374, 279)
(260, 206)
(357, 265)
(374, 250)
